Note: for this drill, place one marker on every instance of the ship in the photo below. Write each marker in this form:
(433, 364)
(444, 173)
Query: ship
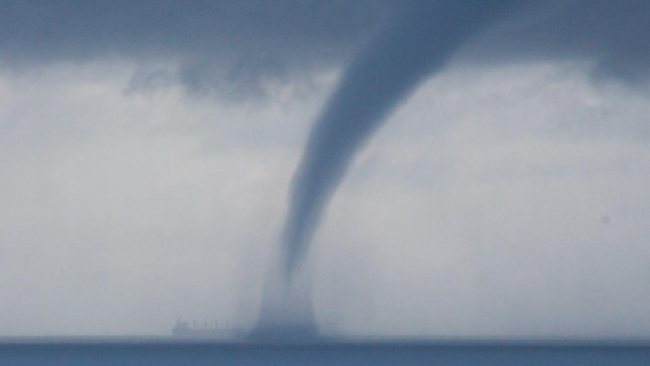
(194, 330)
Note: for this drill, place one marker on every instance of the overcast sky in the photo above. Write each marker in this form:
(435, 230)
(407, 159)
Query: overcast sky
(147, 149)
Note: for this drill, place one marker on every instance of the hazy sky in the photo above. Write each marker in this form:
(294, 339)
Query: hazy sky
(146, 151)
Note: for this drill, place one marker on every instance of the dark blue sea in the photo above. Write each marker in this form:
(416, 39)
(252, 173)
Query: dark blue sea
(159, 353)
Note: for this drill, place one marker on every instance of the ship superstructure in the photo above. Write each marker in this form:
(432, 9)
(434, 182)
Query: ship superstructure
(185, 329)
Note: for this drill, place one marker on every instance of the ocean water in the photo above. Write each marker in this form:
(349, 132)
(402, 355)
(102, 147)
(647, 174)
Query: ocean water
(161, 353)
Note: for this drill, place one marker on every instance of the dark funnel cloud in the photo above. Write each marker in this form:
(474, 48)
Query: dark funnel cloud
(418, 40)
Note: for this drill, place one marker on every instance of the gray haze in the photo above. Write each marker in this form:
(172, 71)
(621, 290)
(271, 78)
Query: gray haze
(132, 201)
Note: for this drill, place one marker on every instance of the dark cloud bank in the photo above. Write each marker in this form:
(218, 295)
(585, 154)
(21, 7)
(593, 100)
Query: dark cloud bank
(389, 49)
(210, 44)
(255, 38)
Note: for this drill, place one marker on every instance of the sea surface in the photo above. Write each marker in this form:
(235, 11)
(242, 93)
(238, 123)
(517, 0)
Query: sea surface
(163, 352)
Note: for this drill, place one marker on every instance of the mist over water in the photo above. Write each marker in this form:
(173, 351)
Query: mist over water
(417, 39)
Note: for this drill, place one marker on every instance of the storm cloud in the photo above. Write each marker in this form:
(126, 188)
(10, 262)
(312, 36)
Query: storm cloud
(124, 189)
(209, 44)
(245, 41)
